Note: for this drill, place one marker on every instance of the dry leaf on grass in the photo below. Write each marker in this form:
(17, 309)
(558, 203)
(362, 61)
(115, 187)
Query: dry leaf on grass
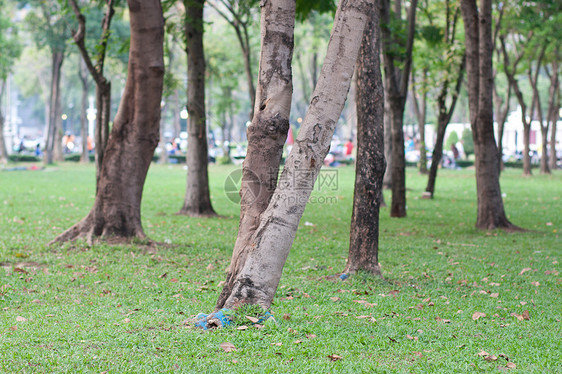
(228, 347)
(477, 315)
(335, 357)
(21, 319)
(335, 298)
(524, 271)
(495, 294)
(483, 354)
(511, 365)
(244, 327)
(252, 319)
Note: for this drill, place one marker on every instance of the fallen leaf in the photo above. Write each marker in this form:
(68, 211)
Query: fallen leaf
(511, 365)
(310, 336)
(298, 341)
(18, 270)
(286, 317)
(518, 316)
(419, 354)
(228, 347)
(536, 284)
(477, 315)
(362, 317)
(335, 298)
(483, 354)
(13, 328)
(163, 275)
(243, 327)
(495, 294)
(277, 344)
(252, 319)
(210, 267)
(335, 357)
(21, 319)
(174, 280)
(525, 315)
(126, 320)
(524, 270)
(490, 358)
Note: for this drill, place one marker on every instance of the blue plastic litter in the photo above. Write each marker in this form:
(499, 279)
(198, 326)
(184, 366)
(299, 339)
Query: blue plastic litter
(344, 276)
(223, 317)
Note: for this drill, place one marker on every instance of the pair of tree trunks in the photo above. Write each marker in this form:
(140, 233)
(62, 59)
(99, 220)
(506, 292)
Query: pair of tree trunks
(479, 48)
(197, 202)
(397, 75)
(370, 163)
(256, 268)
(134, 135)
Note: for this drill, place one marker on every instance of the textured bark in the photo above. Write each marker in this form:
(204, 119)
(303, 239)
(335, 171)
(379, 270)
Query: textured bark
(554, 114)
(57, 58)
(387, 179)
(443, 118)
(397, 75)
(478, 36)
(420, 107)
(103, 86)
(134, 135)
(269, 246)
(197, 202)
(266, 134)
(501, 110)
(370, 164)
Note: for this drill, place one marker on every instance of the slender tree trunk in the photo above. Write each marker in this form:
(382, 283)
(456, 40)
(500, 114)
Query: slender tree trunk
(551, 116)
(478, 34)
(269, 246)
(134, 136)
(83, 74)
(3, 150)
(501, 116)
(57, 58)
(370, 164)
(526, 149)
(397, 75)
(436, 156)
(553, 124)
(163, 159)
(197, 202)
(387, 179)
(420, 106)
(266, 134)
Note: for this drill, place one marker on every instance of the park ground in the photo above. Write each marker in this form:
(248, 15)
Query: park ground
(453, 299)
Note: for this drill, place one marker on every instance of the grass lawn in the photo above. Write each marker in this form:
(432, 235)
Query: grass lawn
(126, 309)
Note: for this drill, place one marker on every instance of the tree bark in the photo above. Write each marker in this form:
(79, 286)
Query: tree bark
(553, 124)
(478, 36)
(134, 136)
(501, 117)
(387, 179)
(267, 133)
(57, 58)
(370, 164)
(197, 202)
(269, 246)
(396, 79)
(551, 116)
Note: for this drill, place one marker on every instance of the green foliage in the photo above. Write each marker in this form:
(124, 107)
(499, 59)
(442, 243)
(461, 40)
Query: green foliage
(468, 143)
(127, 308)
(10, 45)
(453, 138)
(306, 7)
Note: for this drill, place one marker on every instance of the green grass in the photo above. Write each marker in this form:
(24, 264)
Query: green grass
(124, 309)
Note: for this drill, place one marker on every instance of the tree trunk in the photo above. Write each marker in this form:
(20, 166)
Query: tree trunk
(387, 179)
(266, 134)
(526, 149)
(370, 164)
(134, 136)
(269, 246)
(553, 123)
(163, 159)
(197, 202)
(3, 150)
(436, 156)
(478, 34)
(501, 116)
(57, 58)
(83, 74)
(397, 75)
(420, 106)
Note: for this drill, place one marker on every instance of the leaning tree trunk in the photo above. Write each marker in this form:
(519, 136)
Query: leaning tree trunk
(268, 131)
(478, 34)
(370, 164)
(134, 136)
(57, 58)
(269, 246)
(197, 202)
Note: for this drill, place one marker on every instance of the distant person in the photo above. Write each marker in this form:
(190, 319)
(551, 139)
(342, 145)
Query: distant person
(38, 150)
(348, 148)
(460, 149)
(21, 147)
(455, 152)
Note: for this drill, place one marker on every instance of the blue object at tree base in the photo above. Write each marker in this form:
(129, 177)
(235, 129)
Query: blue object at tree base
(344, 276)
(223, 318)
